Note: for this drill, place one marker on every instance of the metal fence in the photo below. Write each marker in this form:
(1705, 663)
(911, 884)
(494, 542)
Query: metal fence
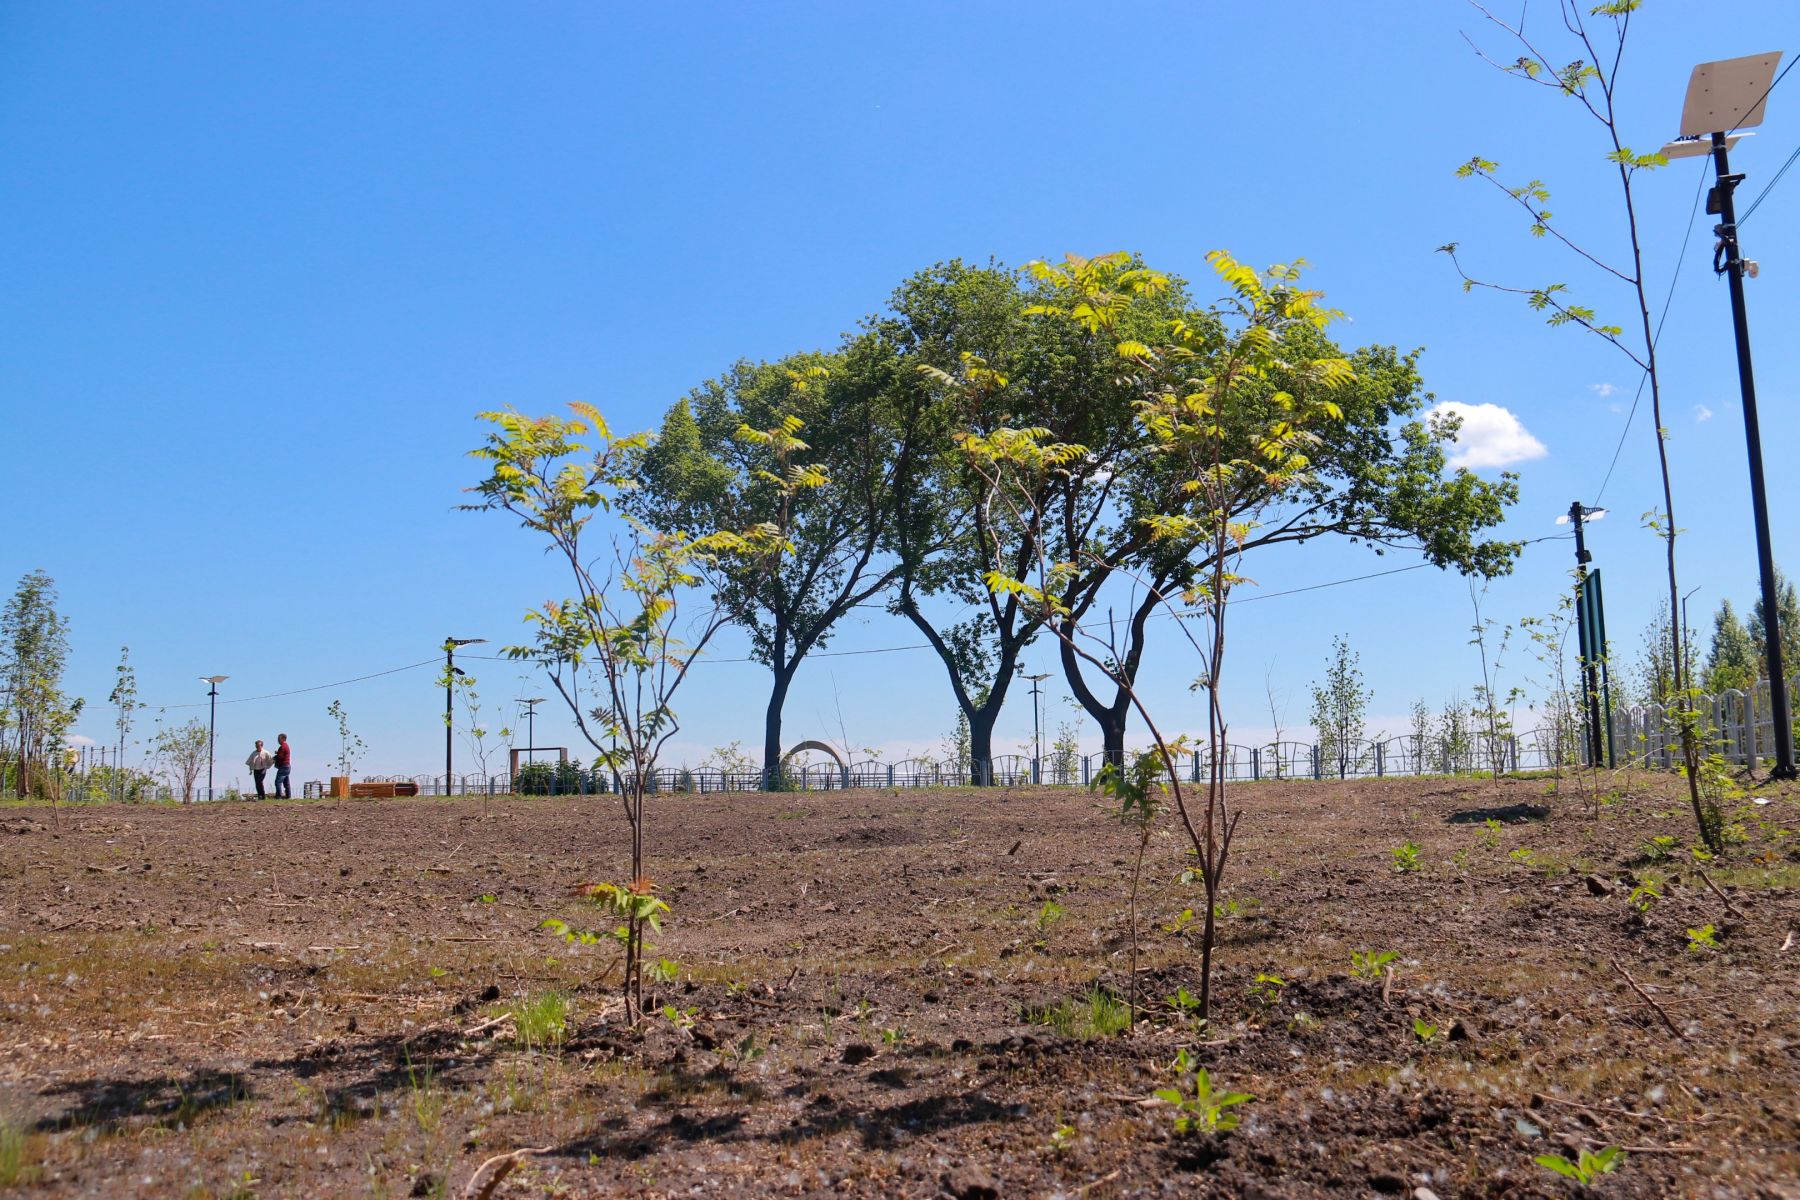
(1735, 724)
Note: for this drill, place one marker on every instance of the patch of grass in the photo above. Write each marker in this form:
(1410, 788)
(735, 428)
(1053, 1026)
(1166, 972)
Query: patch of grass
(1096, 1014)
(18, 1165)
(540, 1020)
(425, 1100)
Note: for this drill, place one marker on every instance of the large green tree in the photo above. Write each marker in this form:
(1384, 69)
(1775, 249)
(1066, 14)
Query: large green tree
(34, 650)
(1731, 660)
(978, 333)
(1787, 611)
(1376, 476)
(858, 413)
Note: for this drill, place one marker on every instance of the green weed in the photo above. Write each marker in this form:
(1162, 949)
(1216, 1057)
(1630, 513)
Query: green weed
(1098, 1014)
(17, 1167)
(1585, 1169)
(540, 1019)
(1206, 1110)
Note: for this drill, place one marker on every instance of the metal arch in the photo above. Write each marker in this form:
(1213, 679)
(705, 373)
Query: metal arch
(843, 767)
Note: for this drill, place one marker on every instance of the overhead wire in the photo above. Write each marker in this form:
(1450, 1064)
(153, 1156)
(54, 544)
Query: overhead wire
(1656, 337)
(1791, 159)
(1312, 587)
(301, 691)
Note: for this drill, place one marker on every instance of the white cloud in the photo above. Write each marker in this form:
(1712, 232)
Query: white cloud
(1602, 390)
(1490, 436)
(1702, 413)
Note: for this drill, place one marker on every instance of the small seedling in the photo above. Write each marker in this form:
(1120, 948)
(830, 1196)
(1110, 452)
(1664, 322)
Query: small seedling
(1523, 855)
(1367, 964)
(682, 1018)
(1585, 1169)
(1703, 938)
(1062, 1139)
(486, 898)
(1406, 858)
(1183, 920)
(1424, 1030)
(1048, 915)
(747, 1049)
(1266, 989)
(1206, 1111)
(664, 970)
(1184, 1002)
(894, 1037)
(1658, 848)
(1643, 898)
(1491, 837)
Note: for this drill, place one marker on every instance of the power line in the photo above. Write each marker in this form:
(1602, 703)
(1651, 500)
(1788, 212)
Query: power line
(302, 691)
(1313, 587)
(1656, 337)
(1792, 158)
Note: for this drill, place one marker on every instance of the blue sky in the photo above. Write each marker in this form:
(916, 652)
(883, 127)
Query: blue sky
(265, 262)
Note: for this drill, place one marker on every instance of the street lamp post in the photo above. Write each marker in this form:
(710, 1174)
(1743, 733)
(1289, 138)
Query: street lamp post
(1037, 736)
(1684, 633)
(451, 671)
(212, 727)
(1724, 96)
(531, 726)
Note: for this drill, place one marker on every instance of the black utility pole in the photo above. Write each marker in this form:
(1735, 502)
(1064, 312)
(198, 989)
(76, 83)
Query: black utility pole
(213, 724)
(1729, 262)
(1590, 654)
(212, 734)
(451, 671)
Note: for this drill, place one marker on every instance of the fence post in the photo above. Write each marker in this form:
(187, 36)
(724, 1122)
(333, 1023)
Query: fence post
(1317, 762)
(1255, 762)
(1085, 781)
(1380, 760)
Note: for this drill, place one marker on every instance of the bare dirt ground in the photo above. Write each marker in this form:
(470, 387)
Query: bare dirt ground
(300, 999)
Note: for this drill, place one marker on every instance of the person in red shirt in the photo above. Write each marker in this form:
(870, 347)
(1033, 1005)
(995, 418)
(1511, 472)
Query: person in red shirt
(284, 761)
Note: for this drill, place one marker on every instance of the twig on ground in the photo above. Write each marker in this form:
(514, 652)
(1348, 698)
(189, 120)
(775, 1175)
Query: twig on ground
(1645, 996)
(1106, 1178)
(502, 1165)
(488, 1024)
(1731, 908)
(1602, 1108)
(1387, 987)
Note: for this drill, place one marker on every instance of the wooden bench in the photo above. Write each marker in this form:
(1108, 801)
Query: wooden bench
(367, 790)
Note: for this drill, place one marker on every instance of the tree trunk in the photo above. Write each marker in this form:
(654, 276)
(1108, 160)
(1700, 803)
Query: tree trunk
(981, 744)
(771, 768)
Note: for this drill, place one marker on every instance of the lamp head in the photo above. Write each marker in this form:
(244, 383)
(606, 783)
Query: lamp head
(1728, 94)
(214, 678)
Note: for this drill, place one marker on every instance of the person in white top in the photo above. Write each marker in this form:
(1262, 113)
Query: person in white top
(259, 762)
